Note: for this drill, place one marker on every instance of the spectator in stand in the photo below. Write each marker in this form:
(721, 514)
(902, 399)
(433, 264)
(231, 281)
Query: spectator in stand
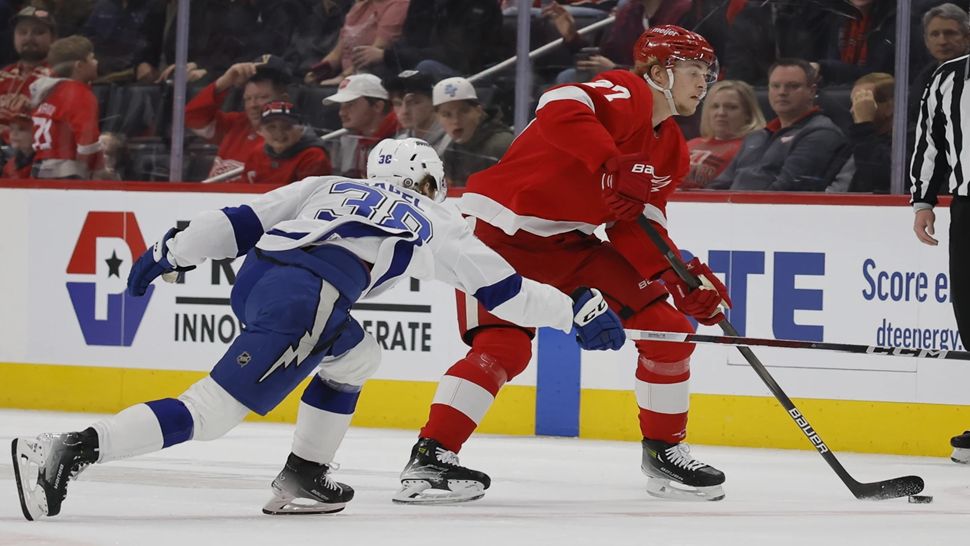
(870, 137)
(317, 34)
(21, 159)
(616, 47)
(946, 34)
(365, 112)
(794, 151)
(127, 34)
(478, 137)
(117, 159)
(444, 38)
(763, 32)
(410, 93)
(371, 26)
(292, 151)
(861, 45)
(34, 31)
(729, 114)
(65, 116)
(236, 133)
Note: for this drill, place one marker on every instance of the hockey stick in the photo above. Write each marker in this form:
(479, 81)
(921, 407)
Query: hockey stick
(653, 335)
(886, 489)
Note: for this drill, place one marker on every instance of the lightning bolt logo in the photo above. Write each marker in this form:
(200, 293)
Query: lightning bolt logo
(296, 355)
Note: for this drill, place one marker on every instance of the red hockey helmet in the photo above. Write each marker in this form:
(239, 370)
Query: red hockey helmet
(670, 43)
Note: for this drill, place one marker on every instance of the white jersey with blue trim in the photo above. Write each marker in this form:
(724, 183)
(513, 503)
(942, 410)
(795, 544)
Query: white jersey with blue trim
(399, 232)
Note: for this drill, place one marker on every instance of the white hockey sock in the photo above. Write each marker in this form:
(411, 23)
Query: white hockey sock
(133, 431)
(319, 433)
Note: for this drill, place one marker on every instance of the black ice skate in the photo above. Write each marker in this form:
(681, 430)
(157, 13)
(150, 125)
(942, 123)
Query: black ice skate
(43, 465)
(434, 476)
(305, 487)
(673, 474)
(961, 448)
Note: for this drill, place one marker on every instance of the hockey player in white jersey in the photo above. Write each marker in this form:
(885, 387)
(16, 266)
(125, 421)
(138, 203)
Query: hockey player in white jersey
(313, 248)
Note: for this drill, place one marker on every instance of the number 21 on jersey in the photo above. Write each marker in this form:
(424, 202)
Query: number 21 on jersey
(619, 91)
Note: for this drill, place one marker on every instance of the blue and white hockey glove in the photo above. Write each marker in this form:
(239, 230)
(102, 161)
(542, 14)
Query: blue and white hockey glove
(597, 327)
(154, 262)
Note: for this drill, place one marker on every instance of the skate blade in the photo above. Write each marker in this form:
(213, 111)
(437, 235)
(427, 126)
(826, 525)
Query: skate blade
(960, 455)
(666, 489)
(25, 453)
(421, 492)
(290, 506)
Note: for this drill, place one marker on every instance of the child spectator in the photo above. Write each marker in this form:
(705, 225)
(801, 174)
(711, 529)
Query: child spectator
(21, 145)
(66, 113)
(291, 151)
(235, 133)
(478, 137)
(870, 137)
(410, 93)
(729, 113)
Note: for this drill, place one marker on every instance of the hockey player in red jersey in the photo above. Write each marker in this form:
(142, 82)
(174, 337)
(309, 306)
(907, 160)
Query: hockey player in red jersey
(598, 153)
(66, 134)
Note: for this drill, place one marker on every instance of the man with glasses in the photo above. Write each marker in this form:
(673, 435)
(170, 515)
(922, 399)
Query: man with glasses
(793, 151)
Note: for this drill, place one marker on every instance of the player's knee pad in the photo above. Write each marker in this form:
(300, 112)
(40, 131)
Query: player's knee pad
(667, 357)
(214, 411)
(355, 366)
(501, 352)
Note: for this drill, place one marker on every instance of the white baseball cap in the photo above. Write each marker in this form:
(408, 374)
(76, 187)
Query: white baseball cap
(356, 86)
(452, 89)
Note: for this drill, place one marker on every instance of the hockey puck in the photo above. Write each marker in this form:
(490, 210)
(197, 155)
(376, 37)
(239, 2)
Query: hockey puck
(920, 499)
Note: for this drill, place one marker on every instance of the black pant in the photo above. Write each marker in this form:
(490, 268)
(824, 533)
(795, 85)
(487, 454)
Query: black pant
(960, 264)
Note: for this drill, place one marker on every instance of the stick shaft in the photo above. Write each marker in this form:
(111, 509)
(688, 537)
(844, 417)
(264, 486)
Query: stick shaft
(654, 335)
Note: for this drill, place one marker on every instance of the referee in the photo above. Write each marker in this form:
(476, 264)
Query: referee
(943, 155)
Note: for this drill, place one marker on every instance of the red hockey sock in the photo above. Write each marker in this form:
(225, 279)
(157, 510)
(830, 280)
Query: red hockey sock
(469, 387)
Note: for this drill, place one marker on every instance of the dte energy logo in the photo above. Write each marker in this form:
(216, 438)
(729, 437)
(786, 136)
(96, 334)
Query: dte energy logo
(107, 315)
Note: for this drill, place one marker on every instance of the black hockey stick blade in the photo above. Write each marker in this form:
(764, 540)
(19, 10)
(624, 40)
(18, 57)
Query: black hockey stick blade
(888, 489)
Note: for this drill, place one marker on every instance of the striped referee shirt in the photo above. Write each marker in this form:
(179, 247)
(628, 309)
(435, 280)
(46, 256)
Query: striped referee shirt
(941, 154)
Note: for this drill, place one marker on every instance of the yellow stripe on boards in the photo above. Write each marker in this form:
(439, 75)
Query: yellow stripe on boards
(383, 403)
(748, 421)
(755, 421)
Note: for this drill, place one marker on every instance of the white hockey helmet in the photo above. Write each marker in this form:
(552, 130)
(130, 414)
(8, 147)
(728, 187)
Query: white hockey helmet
(411, 163)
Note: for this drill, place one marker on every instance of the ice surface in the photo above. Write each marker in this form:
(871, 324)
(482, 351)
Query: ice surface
(554, 491)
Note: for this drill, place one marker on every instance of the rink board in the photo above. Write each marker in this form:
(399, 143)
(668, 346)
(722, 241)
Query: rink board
(797, 269)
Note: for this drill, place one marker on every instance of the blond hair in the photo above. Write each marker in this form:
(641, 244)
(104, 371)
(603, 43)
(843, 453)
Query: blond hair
(882, 85)
(67, 51)
(749, 103)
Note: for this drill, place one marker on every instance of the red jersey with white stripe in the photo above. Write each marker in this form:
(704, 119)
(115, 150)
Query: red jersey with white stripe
(65, 120)
(261, 168)
(15, 80)
(232, 131)
(549, 180)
